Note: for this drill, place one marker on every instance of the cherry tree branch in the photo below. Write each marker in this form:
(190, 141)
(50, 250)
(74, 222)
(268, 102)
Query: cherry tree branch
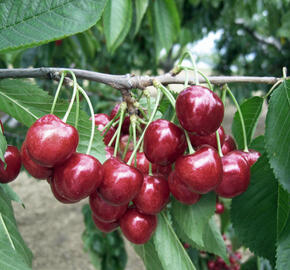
(129, 81)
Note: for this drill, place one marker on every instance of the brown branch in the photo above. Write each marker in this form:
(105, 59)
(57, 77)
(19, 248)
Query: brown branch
(127, 81)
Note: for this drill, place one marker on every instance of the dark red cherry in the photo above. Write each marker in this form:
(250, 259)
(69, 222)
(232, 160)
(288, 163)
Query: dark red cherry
(211, 265)
(104, 226)
(126, 123)
(101, 120)
(252, 156)
(153, 196)
(58, 42)
(186, 245)
(1, 125)
(229, 145)
(110, 152)
(201, 171)
(219, 207)
(50, 141)
(180, 191)
(121, 182)
(105, 212)
(210, 139)
(123, 143)
(199, 110)
(35, 170)
(13, 165)
(164, 142)
(137, 227)
(78, 177)
(236, 175)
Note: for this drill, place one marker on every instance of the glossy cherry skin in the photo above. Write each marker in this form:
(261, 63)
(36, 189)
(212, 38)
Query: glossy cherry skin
(153, 196)
(13, 165)
(50, 141)
(219, 208)
(123, 143)
(180, 191)
(252, 156)
(199, 110)
(210, 139)
(101, 120)
(137, 227)
(201, 171)
(78, 177)
(34, 169)
(228, 145)
(105, 226)
(121, 182)
(1, 125)
(105, 212)
(126, 123)
(164, 142)
(236, 175)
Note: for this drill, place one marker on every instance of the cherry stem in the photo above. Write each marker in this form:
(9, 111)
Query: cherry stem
(273, 88)
(142, 111)
(112, 139)
(122, 109)
(77, 109)
(107, 127)
(134, 140)
(219, 144)
(241, 118)
(186, 78)
(150, 169)
(57, 92)
(148, 98)
(83, 92)
(190, 148)
(193, 62)
(224, 94)
(166, 92)
(158, 97)
(128, 142)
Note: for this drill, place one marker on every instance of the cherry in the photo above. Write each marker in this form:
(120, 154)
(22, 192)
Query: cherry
(228, 145)
(164, 142)
(137, 227)
(199, 110)
(210, 139)
(13, 165)
(236, 175)
(78, 177)
(186, 245)
(35, 170)
(105, 212)
(50, 141)
(153, 196)
(1, 125)
(219, 208)
(252, 156)
(211, 265)
(101, 120)
(123, 143)
(121, 182)
(126, 122)
(105, 227)
(109, 152)
(201, 171)
(58, 42)
(180, 191)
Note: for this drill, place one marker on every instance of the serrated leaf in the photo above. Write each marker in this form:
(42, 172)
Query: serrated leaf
(3, 145)
(26, 102)
(258, 144)
(117, 21)
(283, 209)
(254, 213)
(251, 110)
(171, 253)
(192, 219)
(140, 9)
(24, 23)
(277, 134)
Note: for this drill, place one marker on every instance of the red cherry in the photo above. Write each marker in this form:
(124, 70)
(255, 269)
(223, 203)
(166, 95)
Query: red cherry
(50, 141)
(137, 227)
(219, 208)
(58, 42)
(153, 196)
(35, 170)
(105, 227)
(186, 245)
(199, 110)
(164, 142)
(252, 156)
(1, 124)
(13, 165)
(110, 152)
(236, 175)
(105, 212)
(121, 182)
(126, 123)
(201, 171)
(78, 177)
(180, 191)
(210, 139)
(229, 145)
(123, 143)
(220, 262)
(211, 265)
(101, 120)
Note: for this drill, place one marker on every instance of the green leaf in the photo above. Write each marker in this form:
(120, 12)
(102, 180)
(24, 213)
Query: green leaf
(250, 264)
(140, 7)
(254, 213)
(258, 144)
(171, 253)
(277, 134)
(166, 24)
(12, 195)
(3, 145)
(191, 219)
(117, 21)
(26, 102)
(14, 254)
(25, 24)
(283, 209)
(251, 110)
